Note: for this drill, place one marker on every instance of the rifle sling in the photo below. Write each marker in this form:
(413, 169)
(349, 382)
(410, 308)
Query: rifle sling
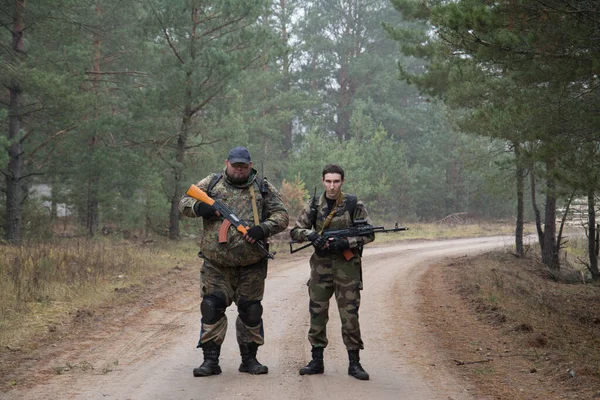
(338, 201)
(348, 254)
(254, 207)
(226, 223)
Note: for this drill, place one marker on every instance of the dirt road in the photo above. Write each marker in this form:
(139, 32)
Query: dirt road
(153, 357)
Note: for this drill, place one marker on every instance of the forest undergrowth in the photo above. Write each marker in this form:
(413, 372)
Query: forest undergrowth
(550, 319)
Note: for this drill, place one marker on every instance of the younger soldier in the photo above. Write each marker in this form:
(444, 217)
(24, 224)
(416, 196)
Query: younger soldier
(235, 271)
(330, 271)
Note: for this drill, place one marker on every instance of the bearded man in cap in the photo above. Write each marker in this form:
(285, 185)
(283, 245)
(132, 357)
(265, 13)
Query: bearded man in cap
(234, 268)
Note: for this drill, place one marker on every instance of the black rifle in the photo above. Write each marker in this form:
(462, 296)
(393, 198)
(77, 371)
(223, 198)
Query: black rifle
(360, 228)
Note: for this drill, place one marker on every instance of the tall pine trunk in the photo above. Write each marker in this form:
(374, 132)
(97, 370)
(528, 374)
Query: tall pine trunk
(550, 246)
(14, 174)
(286, 126)
(520, 182)
(547, 235)
(91, 221)
(342, 126)
(182, 138)
(93, 178)
(174, 215)
(592, 237)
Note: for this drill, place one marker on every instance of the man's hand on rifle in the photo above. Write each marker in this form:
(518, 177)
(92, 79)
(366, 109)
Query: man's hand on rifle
(204, 210)
(255, 233)
(317, 240)
(338, 244)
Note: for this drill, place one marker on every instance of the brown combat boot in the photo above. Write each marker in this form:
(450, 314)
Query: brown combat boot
(315, 366)
(249, 362)
(354, 368)
(210, 366)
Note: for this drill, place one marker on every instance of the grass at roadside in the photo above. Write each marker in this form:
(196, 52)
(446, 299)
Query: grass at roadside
(550, 319)
(43, 284)
(447, 231)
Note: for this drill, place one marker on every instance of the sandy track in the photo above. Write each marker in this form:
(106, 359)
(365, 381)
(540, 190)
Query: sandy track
(153, 357)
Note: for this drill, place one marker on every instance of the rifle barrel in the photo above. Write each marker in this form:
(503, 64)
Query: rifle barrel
(362, 230)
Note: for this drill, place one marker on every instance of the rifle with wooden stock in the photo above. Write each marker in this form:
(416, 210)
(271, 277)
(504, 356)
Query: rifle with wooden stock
(229, 218)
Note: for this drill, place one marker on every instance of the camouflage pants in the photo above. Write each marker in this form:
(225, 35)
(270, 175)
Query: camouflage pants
(233, 284)
(329, 275)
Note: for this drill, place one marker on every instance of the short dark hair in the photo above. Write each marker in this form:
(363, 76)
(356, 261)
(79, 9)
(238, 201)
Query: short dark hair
(333, 169)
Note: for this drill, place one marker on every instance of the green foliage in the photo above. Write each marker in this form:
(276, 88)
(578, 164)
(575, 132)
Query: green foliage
(294, 194)
(519, 71)
(128, 103)
(375, 165)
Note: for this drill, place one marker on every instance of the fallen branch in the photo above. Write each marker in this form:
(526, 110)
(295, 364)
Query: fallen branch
(459, 362)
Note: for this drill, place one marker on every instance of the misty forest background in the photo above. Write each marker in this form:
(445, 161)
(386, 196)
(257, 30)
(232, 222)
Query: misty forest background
(112, 108)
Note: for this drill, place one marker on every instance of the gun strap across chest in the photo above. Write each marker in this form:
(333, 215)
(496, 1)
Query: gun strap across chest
(351, 201)
(254, 208)
(338, 201)
(226, 224)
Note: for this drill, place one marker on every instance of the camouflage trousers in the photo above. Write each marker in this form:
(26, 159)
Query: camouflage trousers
(233, 284)
(331, 274)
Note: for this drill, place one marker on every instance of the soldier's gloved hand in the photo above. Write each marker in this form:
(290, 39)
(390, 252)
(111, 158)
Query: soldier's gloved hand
(256, 233)
(317, 240)
(204, 210)
(339, 244)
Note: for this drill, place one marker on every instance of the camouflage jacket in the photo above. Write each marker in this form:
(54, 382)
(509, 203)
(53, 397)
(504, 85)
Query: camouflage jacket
(237, 252)
(341, 220)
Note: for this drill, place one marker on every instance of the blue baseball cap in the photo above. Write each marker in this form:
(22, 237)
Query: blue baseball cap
(239, 155)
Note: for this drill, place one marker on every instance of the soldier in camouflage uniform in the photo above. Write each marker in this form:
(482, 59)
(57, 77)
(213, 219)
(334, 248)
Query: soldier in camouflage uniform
(330, 271)
(234, 271)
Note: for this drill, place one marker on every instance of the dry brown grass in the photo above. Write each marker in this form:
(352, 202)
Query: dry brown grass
(447, 231)
(43, 284)
(555, 325)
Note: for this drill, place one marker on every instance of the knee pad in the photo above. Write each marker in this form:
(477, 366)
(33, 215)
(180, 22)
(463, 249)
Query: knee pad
(250, 312)
(212, 309)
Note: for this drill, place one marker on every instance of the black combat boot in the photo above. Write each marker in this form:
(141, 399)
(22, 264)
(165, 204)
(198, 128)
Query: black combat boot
(249, 362)
(315, 366)
(210, 366)
(354, 368)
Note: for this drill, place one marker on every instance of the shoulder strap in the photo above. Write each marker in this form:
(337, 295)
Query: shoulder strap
(332, 212)
(215, 179)
(261, 182)
(313, 211)
(263, 186)
(351, 200)
(254, 208)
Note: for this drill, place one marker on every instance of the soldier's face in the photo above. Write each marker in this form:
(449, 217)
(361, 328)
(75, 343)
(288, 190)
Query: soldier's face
(238, 172)
(333, 185)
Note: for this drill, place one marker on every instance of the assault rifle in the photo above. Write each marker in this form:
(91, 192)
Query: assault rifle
(229, 218)
(360, 228)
